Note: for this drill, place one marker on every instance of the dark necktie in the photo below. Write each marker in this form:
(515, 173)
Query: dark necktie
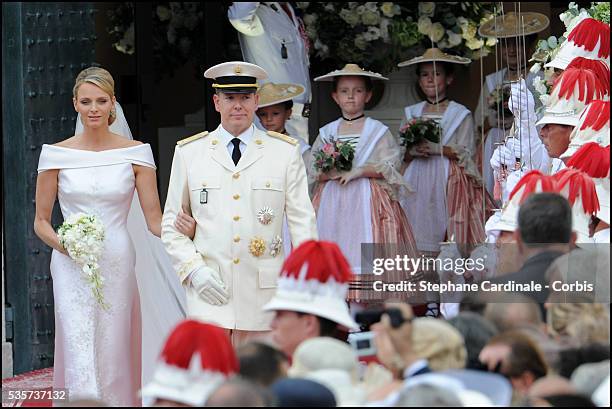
(236, 152)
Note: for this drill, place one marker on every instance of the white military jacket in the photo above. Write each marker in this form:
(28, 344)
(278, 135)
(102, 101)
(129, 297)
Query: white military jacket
(239, 214)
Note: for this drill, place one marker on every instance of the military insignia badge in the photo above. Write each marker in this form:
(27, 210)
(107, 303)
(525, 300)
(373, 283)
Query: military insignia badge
(265, 215)
(275, 246)
(257, 247)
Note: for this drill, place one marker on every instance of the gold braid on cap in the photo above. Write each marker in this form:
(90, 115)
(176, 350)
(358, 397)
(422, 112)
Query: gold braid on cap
(235, 85)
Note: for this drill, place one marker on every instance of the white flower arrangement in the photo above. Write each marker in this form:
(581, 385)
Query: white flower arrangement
(82, 236)
(378, 35)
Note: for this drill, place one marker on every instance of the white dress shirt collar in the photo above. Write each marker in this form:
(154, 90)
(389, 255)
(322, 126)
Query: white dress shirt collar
(415, 367)
(245, 138)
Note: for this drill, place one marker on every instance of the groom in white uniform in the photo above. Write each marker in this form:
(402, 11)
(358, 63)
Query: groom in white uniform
(239, 182)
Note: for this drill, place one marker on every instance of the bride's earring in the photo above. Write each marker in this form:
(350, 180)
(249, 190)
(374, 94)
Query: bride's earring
(112, 115)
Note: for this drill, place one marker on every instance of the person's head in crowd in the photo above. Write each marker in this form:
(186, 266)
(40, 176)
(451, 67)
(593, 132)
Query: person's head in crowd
(572, 92)
(578, 324)
(310, 297)
(196, 358)
(235, 97)
(324, 353)
(511, 48)
(474, 302)
(580, 266)
(517, 357)
(241, 393)
(297, 392)
(516, 39)
(332, 363)
(352, 93)
(435, 82)
(549, 347)
(435, 70)
(509, 257)
(510, 251)
(572, 358)
(439, 343)
(587, 377)
(476, 332)
(553, 390)
(276, 104)
(427, 395)
(556, 138)
(351, 89)
(262, 363)
(544, 224)
(511, 315)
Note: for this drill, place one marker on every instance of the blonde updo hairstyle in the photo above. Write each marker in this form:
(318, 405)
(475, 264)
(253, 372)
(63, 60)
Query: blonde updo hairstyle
(579, 323)
(100, 78)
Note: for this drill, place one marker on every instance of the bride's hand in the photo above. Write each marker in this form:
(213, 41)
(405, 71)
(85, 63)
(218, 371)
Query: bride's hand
(185, 224)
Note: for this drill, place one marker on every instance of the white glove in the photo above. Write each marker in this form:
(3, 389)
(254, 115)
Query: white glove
(448, 251)
(521, 102)
(514, 145)
(502, 156)
(511, 181)
(207, 283)
(486, 256)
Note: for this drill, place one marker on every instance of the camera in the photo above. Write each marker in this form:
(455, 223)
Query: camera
(362, 343)
(367, 318)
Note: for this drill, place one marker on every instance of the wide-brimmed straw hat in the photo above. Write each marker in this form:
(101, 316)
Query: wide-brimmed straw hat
(272, 94)
(514, 25)
(437, 55)
(350, 69)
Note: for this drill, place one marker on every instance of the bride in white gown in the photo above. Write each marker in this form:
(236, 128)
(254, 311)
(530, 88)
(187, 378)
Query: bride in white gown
(97, 351)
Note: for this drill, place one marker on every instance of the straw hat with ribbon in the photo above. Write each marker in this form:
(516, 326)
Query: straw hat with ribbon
(350, 69)
(272, 94)
(514, 25)
(437, 55)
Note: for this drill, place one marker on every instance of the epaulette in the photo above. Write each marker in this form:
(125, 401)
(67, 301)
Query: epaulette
(283, 137)
(192, 138)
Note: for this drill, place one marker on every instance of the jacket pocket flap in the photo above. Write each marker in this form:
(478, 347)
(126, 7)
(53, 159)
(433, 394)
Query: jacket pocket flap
(268, 277)
(267, 184)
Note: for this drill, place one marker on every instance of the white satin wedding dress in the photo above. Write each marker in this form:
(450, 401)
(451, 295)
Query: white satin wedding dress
(109, 355)
(97, 351)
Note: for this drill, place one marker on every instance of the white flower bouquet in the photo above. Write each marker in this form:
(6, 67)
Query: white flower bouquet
(82, 236)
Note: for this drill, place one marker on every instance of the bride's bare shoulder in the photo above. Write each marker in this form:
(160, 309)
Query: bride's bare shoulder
(71, 142)
(122, 142)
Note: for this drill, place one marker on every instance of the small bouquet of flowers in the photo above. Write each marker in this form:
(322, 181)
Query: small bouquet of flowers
(418, 130)
(82, 236)
(335, 155)
(497, 103)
